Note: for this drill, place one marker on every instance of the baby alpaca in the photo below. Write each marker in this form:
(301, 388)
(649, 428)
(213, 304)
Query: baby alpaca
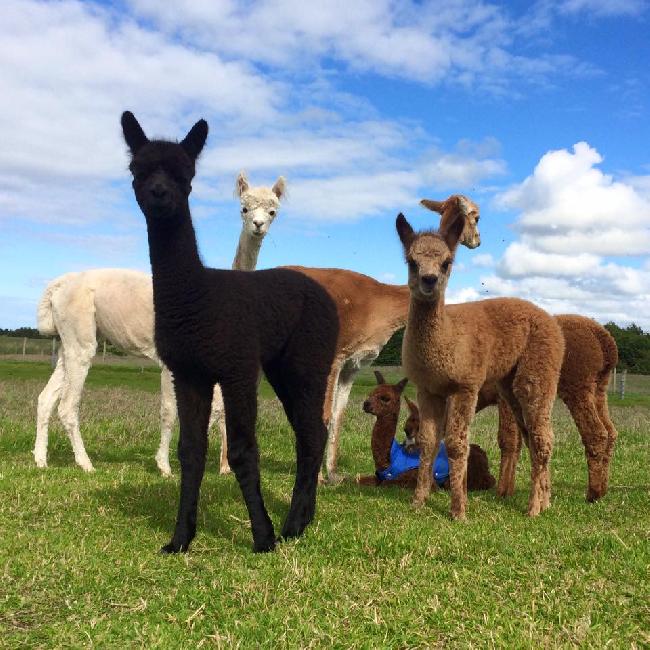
(384, 403)
(214, 326)
(449, 352)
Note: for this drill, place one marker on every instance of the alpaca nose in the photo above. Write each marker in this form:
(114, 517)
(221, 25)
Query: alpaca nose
(158, 191)
(258, 224)
(429, 281)
(366, 406)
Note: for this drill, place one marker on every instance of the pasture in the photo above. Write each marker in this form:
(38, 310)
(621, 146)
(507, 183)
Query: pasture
(81, 568)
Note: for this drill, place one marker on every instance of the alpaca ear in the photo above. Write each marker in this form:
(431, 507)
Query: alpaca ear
(401, 385)
(194, 141)
(280, 187)
(241, 184)
(404, 230)
(452, 229)
(413, 407)
(133, 134)
(379, 377)
(434, 206)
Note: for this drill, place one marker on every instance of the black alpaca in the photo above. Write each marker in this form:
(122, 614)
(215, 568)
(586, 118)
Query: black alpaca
(222, 326)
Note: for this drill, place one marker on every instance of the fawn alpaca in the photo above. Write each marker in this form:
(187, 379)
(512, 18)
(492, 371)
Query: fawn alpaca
(590, 355)
(214, 326)
(449, 352)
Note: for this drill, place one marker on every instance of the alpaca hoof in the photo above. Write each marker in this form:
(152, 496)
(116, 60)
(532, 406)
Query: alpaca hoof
(87, 467)
(164, 468)
(504, 492)
(417, 503)
(172, 547)
(225, 469)
(40, 462)
(265, 546)
(335, 479)
(594, 495)
(458, 516)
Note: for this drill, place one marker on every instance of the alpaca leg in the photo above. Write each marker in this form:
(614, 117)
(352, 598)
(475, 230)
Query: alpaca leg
(594, 438)
(343, 388)
(536, 426)
(509, 439)
(217, 415)
(193, 414)
(332, 432)
(167, 419)
(432, 413)
(240, 400)
(460, 411)
(612, 434)
(311, 436)
(46, 402)
(76, 371)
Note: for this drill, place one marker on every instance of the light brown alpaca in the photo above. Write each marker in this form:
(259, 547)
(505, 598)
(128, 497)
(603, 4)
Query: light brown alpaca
(590, 354)
(449, 352)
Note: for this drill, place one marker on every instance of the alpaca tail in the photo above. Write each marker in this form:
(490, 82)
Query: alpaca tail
(609, 348)
(45, 317)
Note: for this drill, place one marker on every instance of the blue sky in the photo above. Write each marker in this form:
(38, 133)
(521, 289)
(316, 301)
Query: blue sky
(538, 111)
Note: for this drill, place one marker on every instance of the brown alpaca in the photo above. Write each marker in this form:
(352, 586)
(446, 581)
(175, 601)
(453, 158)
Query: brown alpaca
(449, 352)
(384, 403)
(590, 354)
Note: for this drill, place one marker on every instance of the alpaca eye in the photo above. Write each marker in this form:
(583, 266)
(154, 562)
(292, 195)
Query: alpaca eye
(385, 398)
(244, 210)
(445, 266)
(477, 218)
(272, 213)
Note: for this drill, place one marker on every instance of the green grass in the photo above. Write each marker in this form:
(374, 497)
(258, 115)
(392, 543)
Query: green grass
(80, 563)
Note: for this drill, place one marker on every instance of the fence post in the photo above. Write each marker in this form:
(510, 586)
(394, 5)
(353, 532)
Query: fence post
(24, 345)
(54, 354)
(104, 352)
(612, 384)
(621, 386)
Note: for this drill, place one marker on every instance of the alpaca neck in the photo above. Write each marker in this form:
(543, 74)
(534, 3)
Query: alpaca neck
(427, 323)
(383, 434)
(248, 250)
(175, 263)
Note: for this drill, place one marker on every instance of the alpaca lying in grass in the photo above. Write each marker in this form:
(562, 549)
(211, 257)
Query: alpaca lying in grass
(118, 305)
(449, 352)
(590, 355)
(214, 326)
(397, 464)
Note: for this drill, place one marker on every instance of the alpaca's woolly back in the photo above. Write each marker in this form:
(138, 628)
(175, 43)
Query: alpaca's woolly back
(121, 301)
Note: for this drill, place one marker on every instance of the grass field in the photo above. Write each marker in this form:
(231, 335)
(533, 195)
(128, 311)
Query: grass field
(80, 563)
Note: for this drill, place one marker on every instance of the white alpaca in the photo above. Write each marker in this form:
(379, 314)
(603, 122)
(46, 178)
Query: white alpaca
(118, 304)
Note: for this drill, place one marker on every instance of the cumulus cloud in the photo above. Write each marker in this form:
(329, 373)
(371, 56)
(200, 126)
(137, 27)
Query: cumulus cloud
(572, 219)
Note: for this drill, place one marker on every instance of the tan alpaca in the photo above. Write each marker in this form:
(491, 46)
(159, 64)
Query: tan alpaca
(449, 352)
(590, 354)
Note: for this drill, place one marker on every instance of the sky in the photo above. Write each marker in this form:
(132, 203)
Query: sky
(538, 111)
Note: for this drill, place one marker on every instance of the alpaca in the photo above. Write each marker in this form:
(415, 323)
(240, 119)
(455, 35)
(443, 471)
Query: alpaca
(384, 403)
(214, 326)
(449, 352)
(118, 304)
(590, 354)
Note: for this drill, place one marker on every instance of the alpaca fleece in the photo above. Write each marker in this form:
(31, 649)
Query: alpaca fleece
(449, 352)
(590, 355)
(223, 326)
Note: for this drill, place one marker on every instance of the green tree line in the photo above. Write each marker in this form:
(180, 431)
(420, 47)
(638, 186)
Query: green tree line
(633, 349)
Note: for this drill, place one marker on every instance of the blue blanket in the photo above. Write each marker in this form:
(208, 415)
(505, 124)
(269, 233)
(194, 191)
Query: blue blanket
(401, 461)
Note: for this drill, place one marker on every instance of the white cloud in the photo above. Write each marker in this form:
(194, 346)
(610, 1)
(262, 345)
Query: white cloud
(463, 42)
(604, 7)
(572, 218)
(483, 260)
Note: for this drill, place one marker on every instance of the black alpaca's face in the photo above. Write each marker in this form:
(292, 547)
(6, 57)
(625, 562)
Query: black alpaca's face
(162, 171)
(162, 177)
